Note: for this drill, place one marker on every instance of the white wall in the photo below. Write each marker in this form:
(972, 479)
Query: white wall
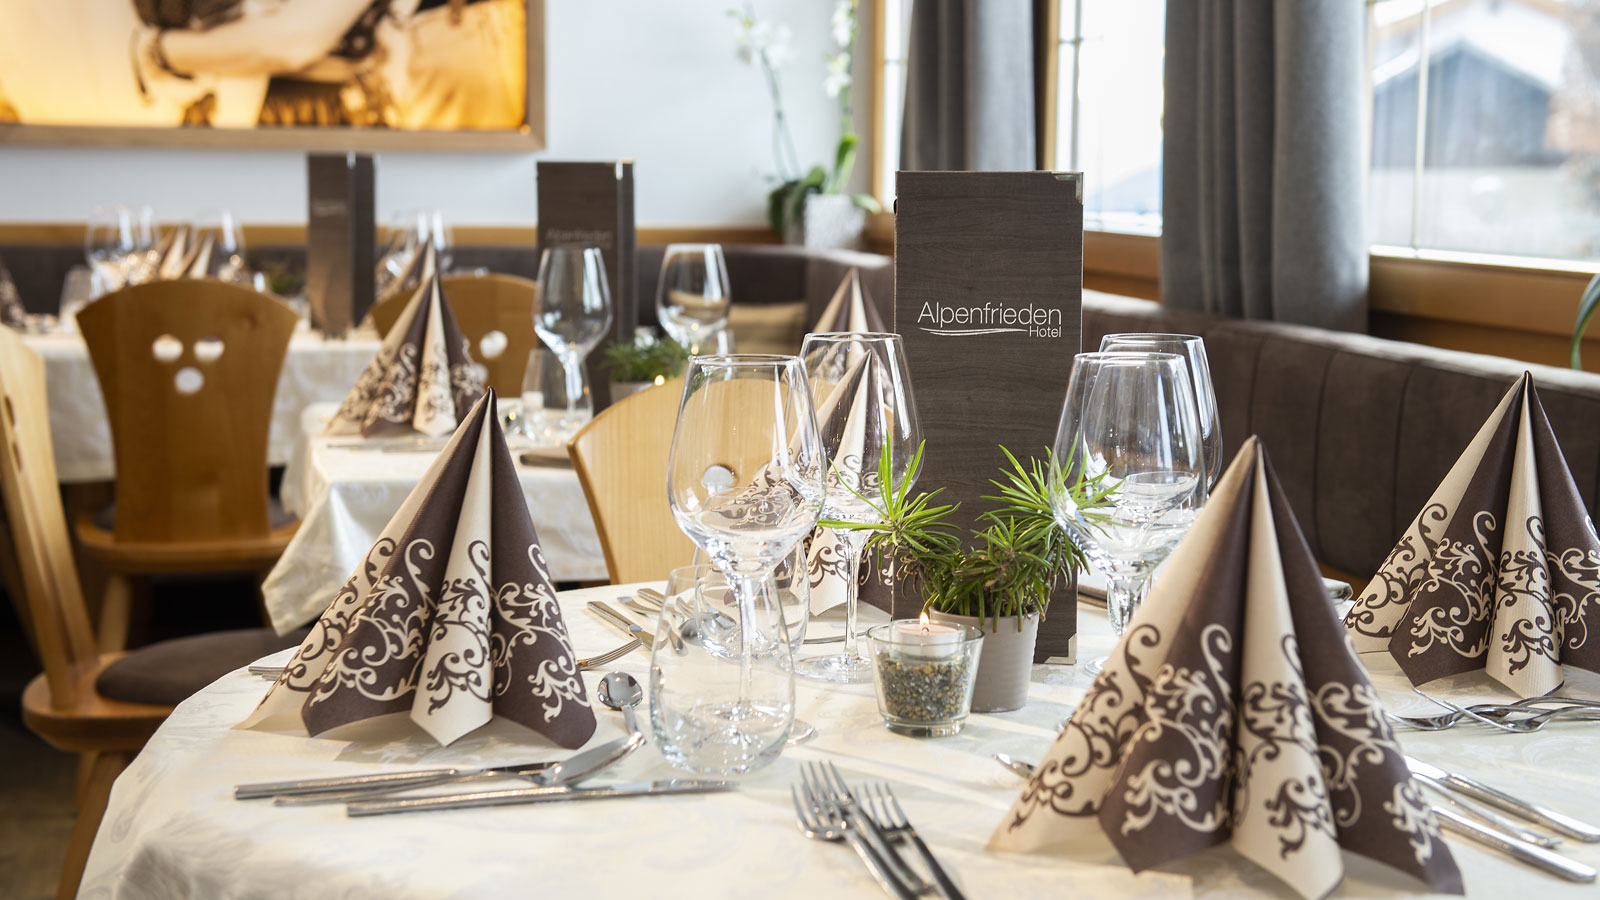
(659, 82)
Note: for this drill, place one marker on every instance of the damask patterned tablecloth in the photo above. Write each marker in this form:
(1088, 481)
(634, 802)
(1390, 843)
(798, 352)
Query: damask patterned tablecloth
(346, 489)
(316, 369)
(173, 830)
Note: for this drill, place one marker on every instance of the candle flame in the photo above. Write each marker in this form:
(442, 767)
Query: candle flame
(923, 620)
(661, 379)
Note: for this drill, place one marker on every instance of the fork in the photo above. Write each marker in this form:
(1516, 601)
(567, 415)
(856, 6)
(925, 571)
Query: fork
(825, 781)
(885, 809)
(829, 824)
(1499, 716)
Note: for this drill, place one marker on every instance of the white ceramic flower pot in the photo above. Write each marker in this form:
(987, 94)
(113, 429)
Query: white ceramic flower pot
(829, 222)
(1006, 664)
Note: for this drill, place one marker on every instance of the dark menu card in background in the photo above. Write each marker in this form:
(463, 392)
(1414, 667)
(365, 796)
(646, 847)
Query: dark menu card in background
(988, 297)
(591, 204)
(341, 239)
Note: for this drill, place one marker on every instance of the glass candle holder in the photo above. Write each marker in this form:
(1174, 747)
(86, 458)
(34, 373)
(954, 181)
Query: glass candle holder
(924, 672)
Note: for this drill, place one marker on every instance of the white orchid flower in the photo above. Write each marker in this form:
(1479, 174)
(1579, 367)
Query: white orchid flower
(838, 77)
(843, 22)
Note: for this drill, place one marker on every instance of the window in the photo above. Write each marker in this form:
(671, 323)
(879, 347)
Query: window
(1485, 127)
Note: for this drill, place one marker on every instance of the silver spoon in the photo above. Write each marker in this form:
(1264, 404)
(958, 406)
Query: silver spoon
(620, 691)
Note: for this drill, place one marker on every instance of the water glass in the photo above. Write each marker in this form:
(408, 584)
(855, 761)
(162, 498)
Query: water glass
(715, 712)
(704, 583)
(547, 412)
(692, 295)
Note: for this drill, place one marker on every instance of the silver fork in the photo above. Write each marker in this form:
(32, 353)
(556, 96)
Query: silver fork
(1501, 716)
(823, 821)
(885, 809)
(832, 784)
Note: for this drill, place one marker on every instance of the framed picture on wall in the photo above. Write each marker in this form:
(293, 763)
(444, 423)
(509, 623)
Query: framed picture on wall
(304, 74)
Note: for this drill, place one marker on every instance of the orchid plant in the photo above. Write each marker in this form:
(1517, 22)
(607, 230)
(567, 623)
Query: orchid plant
(766, 45)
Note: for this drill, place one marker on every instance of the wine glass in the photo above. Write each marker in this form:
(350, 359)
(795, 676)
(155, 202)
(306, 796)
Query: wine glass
(1129, 428)
(146, 255)
(745, 482)
(219, 248)
(108, 244)
(435, 230)
(692, 294)
(1193, 349)
(573, 314)
(864, 405)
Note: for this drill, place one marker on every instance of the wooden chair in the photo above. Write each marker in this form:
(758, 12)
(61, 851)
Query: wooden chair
(483, 305)
(188, 371)
(102, 707)
(621, 461)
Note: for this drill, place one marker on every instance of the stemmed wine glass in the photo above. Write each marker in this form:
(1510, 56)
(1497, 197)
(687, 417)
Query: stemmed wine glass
(692, 294)
(109, 244)
(219, 248)
(1193, 349)
(1130, 430)
(573, 314)
(864, 404)
(745, 483)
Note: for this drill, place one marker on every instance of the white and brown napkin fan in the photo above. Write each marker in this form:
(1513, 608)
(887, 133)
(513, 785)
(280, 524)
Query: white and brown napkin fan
(1232, 713)
(843, 412)
(422, 378)
(451, 618)
(1501, 569)
(850, 309)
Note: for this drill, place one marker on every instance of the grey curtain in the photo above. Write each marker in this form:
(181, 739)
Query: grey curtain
(969, 86)
(1263, 182)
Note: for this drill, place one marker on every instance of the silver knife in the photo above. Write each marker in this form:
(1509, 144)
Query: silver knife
(1484, 814)
(1522, 851)
(1017, 766)
(604, 611)
(534, 795)
(1539, 815)
(383, 780)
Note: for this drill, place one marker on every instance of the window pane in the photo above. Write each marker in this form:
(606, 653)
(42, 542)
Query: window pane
(1394, 41)
(1119, 100)
(1511, 152)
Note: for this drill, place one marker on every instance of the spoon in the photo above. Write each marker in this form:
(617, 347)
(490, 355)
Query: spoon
(620, 691)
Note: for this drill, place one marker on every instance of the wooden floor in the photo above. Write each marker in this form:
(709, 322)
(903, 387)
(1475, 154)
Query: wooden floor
(36, 780)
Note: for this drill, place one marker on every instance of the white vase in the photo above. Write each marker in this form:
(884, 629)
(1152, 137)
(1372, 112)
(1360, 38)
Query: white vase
(1006, 664)
(828, 222)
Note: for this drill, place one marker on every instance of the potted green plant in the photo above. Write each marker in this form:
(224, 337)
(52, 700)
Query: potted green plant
(1000, 578)
(643, 362)
(810, 206)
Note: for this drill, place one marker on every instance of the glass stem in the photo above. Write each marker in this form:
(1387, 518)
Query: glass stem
(572, 365)
(852, 542)
(747, 588)
(1123, 597)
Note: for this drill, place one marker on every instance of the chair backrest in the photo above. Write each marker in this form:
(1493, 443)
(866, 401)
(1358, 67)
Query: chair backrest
(486, 305)
(621, 461)
(51, 600)
(188, 370)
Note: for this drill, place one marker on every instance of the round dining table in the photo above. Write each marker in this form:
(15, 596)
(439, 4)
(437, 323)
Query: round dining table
(173, 828)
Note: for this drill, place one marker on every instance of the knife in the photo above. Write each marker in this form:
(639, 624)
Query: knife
(1484, 814)
(384, 780)
(1539, 815)
(1017, 766)
(534, 795)
(1522, 851)
(601, 609)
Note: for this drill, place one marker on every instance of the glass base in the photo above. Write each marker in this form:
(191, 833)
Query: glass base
(942, 729)
(801, 732)
(1094, 666)
(839, 668)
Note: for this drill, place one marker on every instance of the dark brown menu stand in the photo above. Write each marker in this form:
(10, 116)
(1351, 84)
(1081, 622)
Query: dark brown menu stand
(988, 273)
(341, 239)
(591, 204)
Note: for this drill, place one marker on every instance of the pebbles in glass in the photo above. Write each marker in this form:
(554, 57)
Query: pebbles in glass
(924, 675)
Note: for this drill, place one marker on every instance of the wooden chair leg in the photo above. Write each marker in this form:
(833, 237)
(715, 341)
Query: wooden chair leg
(94, 792)
(116, 613)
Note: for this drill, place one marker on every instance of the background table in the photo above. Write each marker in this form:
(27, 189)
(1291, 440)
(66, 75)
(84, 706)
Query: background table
(345, 494)
(315, 369)
(173, 830)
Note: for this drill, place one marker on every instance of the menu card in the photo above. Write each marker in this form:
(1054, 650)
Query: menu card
(988, 273)
(341, 239)
(591, 204)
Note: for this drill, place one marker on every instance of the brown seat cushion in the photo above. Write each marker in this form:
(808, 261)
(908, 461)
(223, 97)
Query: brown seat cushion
(168, 673)
(277, 517)
(768, 327)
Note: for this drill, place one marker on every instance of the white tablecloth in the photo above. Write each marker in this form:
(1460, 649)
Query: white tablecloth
(345, 494)
(315, 369)
(172, 829)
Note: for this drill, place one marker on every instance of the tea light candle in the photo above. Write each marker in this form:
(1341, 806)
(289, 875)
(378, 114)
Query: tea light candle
(926, 639)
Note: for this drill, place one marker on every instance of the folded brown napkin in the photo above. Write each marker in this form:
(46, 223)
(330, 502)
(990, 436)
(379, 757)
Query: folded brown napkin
(1231, 712)
(451, 617)
(841, 413)
(850, 309)
(422, 378)
(12, 312)
(176, 254)
(1501, 569)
